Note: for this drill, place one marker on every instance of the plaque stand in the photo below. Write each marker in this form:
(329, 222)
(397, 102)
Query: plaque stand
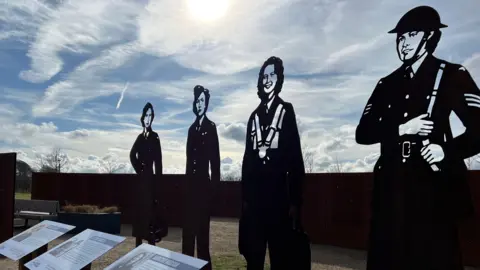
(25, 259)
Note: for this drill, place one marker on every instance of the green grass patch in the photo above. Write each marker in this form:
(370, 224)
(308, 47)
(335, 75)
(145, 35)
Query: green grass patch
(232, 261)
(23, 196)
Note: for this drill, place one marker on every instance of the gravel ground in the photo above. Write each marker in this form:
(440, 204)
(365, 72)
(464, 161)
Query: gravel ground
(224, 250)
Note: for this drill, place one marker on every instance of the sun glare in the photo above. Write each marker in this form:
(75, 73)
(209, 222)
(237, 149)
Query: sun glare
(207, 10)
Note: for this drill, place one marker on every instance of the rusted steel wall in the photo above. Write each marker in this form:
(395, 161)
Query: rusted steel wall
(336, 207)
(8, 163)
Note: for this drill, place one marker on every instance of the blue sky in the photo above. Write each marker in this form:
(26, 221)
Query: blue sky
(65, 63)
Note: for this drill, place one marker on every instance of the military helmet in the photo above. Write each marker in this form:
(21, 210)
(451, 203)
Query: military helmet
(421, 18)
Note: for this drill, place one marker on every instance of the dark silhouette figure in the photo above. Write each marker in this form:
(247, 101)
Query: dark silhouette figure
(272, 174)
(146, 156)
(420, 183)
(203, 153)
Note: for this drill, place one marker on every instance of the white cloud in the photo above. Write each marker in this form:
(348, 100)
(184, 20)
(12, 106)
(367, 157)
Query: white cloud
(76, 26)
(472, 64)
(340, 49)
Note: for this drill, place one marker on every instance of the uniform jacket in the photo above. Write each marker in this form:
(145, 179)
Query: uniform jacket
(395, 100)
(146, 152)
(414, 208)
(203, 150)
(276, 180)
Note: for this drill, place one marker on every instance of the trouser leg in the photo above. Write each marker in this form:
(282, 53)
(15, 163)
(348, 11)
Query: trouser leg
(256, 246)
(278, 240)
(255, 260)
(188, 240)
(188, 234)
(203, 239)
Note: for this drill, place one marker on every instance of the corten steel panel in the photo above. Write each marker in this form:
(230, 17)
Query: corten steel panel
(470, 229)
(314, 210)
(336, 208)
(8, 169)
(226, 200)
(171, 196)
(349, 216)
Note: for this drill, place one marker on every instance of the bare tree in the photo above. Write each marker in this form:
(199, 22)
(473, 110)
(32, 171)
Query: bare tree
(336, 167)
(111, 164)
(230, 177)
(55, 161)
(308, 158)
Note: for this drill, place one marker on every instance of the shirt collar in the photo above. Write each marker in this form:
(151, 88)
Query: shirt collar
(199, 122)
(269, 104)
(413, 69)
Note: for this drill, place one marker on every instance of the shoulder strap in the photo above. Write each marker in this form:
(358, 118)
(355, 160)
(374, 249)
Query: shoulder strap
(258, 131)
(274, 126)
(435, 88)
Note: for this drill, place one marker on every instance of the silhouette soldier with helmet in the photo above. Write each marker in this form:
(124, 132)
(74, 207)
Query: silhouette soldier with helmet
(420, 183)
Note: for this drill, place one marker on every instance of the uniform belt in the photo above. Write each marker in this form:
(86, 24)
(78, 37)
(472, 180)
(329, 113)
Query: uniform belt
(409, 147)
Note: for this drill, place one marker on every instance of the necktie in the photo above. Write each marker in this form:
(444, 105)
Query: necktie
(409, 72)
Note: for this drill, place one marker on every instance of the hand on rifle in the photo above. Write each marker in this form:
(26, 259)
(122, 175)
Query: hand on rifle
(417, 125)
(432, 153)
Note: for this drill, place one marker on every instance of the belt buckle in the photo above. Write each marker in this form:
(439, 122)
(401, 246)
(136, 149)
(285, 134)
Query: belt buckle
(406, 149)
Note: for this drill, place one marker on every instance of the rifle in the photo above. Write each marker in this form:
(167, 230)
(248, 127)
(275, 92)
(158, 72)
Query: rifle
(430, 106)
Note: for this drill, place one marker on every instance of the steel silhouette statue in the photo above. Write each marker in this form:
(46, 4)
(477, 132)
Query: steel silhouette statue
(203, 153)
(272, 174)
(420, 183)
(146, 159)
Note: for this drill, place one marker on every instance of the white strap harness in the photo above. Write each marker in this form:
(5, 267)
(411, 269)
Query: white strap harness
(271, 141)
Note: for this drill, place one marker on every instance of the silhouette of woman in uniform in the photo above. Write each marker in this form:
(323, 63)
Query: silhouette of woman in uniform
(202, 153)
(146, 159)
(272, 174)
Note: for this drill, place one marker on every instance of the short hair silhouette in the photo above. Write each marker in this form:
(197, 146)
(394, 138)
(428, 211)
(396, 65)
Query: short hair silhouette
(278, 69)
(197, 91)
(144, 113)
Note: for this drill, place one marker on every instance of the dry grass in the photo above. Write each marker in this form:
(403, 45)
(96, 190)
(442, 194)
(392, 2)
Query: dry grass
(86, 208)
(224, 251)
(22, 196)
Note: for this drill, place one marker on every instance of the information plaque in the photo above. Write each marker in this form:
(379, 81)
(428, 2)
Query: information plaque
(77, 252)
(151, 257)
(32, 239)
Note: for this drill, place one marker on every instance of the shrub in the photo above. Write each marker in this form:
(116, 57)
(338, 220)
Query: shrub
(109, 209)
(87, 208)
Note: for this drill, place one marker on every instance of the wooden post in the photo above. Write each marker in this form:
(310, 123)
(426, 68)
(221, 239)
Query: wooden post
(31, 256)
